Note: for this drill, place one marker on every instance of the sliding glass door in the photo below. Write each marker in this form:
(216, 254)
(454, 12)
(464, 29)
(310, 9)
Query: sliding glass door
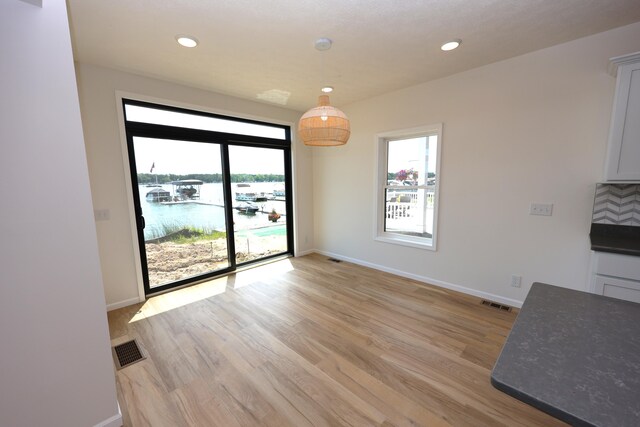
(182, 201)
(260, 217)
(210, 192)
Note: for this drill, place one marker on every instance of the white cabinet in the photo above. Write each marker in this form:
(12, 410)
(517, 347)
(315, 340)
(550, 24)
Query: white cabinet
(623, 153)
(616, 276)
(617, 288)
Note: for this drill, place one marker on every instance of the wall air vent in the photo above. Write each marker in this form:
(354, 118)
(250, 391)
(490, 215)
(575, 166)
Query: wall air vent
(496, 305)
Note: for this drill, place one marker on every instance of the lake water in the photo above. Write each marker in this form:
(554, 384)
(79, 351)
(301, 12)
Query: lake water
(159, 217)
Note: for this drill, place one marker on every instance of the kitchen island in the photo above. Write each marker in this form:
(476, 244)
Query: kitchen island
(575, 356)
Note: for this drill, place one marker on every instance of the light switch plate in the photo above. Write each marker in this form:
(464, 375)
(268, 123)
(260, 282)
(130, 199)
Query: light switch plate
(102, 214)
(544, 209)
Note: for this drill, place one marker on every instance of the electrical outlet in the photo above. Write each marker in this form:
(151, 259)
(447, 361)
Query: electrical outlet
(543, 209)
(516, 281)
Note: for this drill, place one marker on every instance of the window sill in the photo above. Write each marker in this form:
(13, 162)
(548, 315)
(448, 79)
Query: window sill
(397, 239)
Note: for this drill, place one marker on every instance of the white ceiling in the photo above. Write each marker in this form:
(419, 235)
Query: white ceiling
(263, 49)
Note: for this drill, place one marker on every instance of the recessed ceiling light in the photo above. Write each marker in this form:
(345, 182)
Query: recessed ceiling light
(450, 45)
(187, 41)
(327, 89)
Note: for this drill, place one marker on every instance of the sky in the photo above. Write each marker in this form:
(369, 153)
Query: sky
(405, 154)
(137, 113)
(187, 157)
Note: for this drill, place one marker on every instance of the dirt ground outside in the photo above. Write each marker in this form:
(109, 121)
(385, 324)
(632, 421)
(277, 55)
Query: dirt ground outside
(169, 261)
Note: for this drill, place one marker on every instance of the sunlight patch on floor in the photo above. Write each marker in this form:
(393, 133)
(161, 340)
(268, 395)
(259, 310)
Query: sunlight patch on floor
(264, 272)
(181, 297)
(189, 295)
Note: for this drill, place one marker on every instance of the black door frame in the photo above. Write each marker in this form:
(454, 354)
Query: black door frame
(146, 130)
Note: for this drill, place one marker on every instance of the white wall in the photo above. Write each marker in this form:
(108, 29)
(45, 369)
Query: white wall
(55, 361)
(528, 129)
(98, 86)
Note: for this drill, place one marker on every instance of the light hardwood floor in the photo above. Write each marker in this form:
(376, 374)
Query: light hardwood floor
(309, 342)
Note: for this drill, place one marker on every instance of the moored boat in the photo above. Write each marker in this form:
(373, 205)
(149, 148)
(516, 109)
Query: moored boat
(186, 189)
(158, 194)
(244, 193)
(247, 208)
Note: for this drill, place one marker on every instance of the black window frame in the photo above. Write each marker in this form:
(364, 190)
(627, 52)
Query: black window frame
(147, 130)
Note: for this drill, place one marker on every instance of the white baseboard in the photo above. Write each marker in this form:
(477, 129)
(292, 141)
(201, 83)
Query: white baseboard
(115, 421)
(424, 279)
(125, 303)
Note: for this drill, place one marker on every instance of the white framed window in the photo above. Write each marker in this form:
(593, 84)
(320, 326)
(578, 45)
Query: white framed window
(407, 183)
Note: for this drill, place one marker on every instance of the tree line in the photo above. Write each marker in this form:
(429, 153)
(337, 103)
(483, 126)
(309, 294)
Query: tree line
(394, 175)
(147, 178)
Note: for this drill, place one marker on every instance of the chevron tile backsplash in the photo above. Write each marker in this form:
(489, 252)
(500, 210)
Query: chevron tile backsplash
(617, 204)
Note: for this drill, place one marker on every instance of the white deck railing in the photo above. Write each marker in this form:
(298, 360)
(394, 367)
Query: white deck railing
(408, 209)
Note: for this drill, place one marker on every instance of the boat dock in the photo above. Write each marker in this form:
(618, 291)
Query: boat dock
(200, 202)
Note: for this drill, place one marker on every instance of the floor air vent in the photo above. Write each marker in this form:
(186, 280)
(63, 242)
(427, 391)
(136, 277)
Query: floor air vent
(334, 260)
(496, 305)
(127, 353)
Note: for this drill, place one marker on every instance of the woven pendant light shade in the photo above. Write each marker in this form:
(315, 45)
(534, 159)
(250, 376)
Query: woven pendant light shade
(324, 125)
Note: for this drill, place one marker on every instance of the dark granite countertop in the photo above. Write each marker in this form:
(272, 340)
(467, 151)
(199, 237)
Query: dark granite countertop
(575, 356)
(620, 239)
